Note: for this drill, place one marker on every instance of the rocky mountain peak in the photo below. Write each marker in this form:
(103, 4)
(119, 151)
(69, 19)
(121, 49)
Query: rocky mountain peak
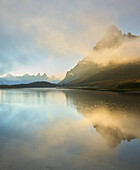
(38, 75)
(44, 75)
(112, 38)
(113, 29)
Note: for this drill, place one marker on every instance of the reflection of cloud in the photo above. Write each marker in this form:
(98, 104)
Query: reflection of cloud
(114, 126)
(33, 137)
(32, 96)
(115, 117)
(113, 135)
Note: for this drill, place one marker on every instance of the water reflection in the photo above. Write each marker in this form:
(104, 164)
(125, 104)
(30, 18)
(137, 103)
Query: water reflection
(115, 116)
(68, 129)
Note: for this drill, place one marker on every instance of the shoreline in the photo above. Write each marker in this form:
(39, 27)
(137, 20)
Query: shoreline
(126, 91)
(137, 91)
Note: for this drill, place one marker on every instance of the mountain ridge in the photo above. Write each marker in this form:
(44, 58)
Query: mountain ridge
(9, 79)
(38, 84)
(100, 70)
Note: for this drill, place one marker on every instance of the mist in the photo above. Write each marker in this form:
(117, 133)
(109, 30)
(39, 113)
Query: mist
(128, 50)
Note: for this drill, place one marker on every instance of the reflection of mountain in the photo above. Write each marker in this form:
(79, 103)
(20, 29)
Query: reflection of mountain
(113, 135)
(112, 62)
(116, 117)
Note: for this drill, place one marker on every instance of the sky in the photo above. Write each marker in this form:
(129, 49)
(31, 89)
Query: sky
(51, 36)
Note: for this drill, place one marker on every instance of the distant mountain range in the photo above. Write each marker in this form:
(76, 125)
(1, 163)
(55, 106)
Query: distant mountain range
(114, 60)
(26, 78)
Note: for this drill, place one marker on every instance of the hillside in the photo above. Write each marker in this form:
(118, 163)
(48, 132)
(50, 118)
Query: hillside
(39, 84)
(114, 60)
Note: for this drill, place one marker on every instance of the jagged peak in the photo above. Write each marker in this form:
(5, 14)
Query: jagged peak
(112, 38)
(131, 35)
(38, 75)
(111, 33)
(44, 75)
(113, 29)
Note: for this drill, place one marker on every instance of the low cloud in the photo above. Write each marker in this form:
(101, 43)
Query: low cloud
(127, 51)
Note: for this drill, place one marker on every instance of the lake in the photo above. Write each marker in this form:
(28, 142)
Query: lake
(54, 129)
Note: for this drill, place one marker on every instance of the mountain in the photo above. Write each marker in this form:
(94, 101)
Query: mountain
(38, 84)
(114, 60)
(26, 78)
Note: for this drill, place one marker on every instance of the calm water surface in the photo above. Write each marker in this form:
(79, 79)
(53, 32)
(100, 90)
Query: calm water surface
(52, 129)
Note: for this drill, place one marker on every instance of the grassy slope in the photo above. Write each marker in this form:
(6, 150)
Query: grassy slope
(110, 76)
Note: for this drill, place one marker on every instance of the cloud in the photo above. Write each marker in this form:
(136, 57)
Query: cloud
(33, 30)
(127, 51)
